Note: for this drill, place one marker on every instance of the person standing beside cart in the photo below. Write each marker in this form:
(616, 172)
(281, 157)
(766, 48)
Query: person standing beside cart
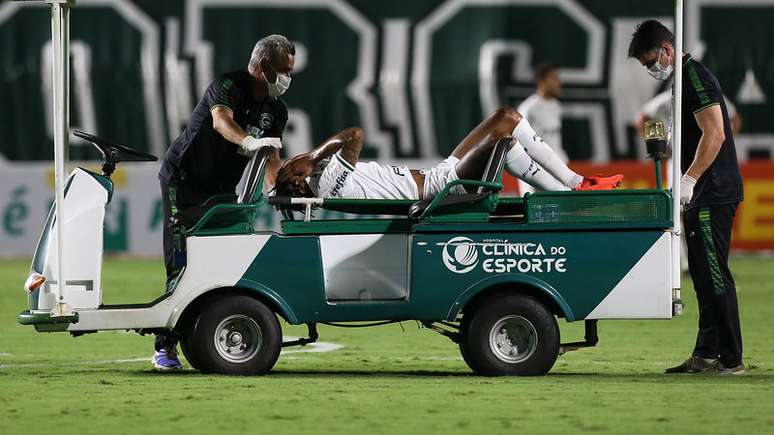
(711, 190)
(544, 112)
(239, 113)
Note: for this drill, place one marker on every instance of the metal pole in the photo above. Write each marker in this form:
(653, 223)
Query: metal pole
(659, 177)
(61, 67)
(677, 149)
(66, 75)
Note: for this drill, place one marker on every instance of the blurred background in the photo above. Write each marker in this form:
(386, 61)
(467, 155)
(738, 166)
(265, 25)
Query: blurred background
(416, 75)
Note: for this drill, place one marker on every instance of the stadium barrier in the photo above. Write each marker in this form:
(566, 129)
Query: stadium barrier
(134, 218)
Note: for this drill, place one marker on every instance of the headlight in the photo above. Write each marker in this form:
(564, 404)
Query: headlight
(34, 281)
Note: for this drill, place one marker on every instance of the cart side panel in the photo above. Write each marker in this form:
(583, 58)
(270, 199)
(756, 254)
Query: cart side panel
(645, 292)
(577, 269)
(290, 269)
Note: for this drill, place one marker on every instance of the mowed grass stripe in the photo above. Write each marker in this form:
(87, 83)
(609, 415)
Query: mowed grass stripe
(384, 379)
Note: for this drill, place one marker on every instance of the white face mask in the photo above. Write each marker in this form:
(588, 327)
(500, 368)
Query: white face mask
(659, 72)
(279, 87)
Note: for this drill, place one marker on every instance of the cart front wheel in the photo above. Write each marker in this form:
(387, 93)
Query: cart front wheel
(237, 335)
(510, 334)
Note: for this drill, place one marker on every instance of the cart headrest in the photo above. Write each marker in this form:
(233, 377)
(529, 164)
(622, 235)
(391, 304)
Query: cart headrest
(494, 168)
(250, 186)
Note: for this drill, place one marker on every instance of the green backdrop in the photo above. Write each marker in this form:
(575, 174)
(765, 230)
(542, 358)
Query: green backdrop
(122, 86)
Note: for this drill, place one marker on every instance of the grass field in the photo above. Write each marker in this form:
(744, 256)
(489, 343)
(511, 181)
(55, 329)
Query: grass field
(384, 379)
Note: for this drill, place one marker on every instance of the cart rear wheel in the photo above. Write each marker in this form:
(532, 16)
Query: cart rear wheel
(236, 335)
(510, 334)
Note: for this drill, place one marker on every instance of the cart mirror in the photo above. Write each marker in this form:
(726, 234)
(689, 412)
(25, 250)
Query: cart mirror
(655, 138)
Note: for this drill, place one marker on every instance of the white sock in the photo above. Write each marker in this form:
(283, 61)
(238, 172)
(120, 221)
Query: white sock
(544, 155)
(520, 165)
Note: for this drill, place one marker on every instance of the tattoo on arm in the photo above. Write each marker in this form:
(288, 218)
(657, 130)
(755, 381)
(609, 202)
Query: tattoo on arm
(349, 141)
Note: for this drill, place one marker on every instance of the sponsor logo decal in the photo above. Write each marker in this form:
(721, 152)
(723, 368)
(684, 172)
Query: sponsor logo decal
(463, 255)
(460, 255)
(340, 183)
(254, 131)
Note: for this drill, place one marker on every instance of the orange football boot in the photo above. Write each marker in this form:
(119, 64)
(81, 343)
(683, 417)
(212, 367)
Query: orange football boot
(599, 182)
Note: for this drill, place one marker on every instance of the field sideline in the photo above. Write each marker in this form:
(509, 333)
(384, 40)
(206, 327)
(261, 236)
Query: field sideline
(383, 379)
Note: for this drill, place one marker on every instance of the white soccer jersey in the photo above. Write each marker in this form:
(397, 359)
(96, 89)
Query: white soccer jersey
(545, 116)
(371, 180)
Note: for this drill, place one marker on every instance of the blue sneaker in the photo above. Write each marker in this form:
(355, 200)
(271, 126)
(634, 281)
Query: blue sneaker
(166, 360)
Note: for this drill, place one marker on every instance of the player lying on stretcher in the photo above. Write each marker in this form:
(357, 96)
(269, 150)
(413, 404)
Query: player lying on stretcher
(332, 170)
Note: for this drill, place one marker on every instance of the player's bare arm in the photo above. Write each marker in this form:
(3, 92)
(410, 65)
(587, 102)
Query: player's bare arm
(349, 141)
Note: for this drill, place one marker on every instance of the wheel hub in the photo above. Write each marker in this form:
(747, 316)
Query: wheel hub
(238, 338)
(235, 339)
(513, 339)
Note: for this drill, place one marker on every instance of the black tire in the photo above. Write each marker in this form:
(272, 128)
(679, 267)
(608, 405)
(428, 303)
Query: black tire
(185, 345)
(235, 335)
(489, 331)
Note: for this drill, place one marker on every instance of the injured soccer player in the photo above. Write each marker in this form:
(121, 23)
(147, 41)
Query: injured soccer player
(332, 170)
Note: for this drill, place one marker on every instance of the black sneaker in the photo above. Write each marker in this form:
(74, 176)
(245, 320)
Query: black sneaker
(728, 371)
(695, 364)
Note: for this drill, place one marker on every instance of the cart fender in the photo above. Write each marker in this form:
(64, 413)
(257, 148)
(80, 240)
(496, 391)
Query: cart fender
(274, 301)
(279, 304)
(518, 280)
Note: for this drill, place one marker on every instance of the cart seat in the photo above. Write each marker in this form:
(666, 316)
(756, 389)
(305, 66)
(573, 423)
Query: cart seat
(249, 190)
(406, 207)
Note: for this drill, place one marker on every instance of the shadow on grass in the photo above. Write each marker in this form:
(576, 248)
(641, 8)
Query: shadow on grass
(306, 374)
(754, 378)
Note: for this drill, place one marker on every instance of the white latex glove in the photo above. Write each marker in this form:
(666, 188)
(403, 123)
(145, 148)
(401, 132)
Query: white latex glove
(687, 184)
(251, 144)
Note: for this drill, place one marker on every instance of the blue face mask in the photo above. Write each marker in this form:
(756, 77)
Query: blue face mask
(659, 72)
